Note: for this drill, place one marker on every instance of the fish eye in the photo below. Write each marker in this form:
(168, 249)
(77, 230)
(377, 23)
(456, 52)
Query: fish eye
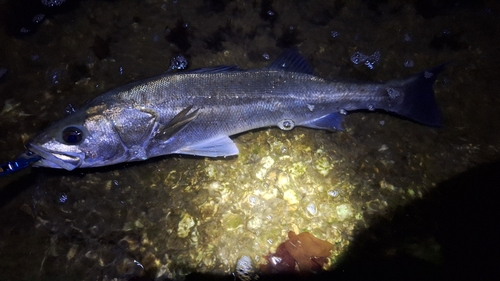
(72, 135)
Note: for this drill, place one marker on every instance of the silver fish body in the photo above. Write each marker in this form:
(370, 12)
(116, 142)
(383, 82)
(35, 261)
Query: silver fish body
(195, 112)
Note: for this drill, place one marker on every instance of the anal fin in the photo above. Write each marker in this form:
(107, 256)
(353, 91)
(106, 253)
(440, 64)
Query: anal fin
(330, 122)
(214, 147)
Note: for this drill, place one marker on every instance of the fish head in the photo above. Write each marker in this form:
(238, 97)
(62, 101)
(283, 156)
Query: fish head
(83, 139)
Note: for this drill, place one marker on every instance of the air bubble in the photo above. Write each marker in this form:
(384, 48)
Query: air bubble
(357, 57)
(409, 63)
(369, 61)
(178, 62)
(343, 111)
(393, 93)
(63, 198)
(69, 109)
(52, 3)
(311, 208)
(334, 34)
(38, 18)
(371, 107)
(286, 124)
(252, 200)
(333, 193)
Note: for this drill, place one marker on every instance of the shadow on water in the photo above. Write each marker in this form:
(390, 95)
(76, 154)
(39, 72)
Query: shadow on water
(449, 234)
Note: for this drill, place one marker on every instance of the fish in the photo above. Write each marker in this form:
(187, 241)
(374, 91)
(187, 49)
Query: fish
(196, 112)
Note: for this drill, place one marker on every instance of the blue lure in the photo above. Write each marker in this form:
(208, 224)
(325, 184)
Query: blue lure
(22, 161)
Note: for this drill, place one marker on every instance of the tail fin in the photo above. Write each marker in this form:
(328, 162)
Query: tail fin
(419, 103)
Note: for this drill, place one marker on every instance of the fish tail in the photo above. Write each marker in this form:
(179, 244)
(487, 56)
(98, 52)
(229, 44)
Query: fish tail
(419, 103)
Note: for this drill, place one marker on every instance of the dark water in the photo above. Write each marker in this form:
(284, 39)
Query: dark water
(382, 191)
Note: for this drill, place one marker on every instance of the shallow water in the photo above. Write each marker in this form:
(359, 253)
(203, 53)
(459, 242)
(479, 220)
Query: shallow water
(171, 216)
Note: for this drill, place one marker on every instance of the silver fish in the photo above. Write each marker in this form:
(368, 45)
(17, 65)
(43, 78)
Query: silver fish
(195, 112)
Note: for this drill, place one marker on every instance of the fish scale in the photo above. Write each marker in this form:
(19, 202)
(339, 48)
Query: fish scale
(196, 112)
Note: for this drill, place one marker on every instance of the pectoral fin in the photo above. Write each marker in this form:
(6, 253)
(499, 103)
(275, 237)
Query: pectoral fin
(214, 147)
(177, 123)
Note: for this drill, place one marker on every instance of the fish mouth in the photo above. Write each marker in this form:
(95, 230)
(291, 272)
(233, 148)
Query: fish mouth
(58, 160)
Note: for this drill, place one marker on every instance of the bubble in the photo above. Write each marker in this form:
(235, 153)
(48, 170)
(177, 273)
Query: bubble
(63, 198)
(343, 111)
(393, 93)
(252, 200)
(38, 18)
(57, 75)
(69, 109)
(369, 61)
(358, 57)
(244, 269)
(266, 56)
(178, 62)
(333, 193)
(371, 107)
(52, 3)
(334, 34)
(311, 208)
(409, 63)
(286, 124)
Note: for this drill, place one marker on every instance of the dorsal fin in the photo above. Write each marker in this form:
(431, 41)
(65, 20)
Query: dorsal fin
(214, 69)
(291, 61)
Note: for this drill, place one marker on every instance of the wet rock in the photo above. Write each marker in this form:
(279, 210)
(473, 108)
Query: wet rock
(179, 35)
(25, 16)
(101, 47)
